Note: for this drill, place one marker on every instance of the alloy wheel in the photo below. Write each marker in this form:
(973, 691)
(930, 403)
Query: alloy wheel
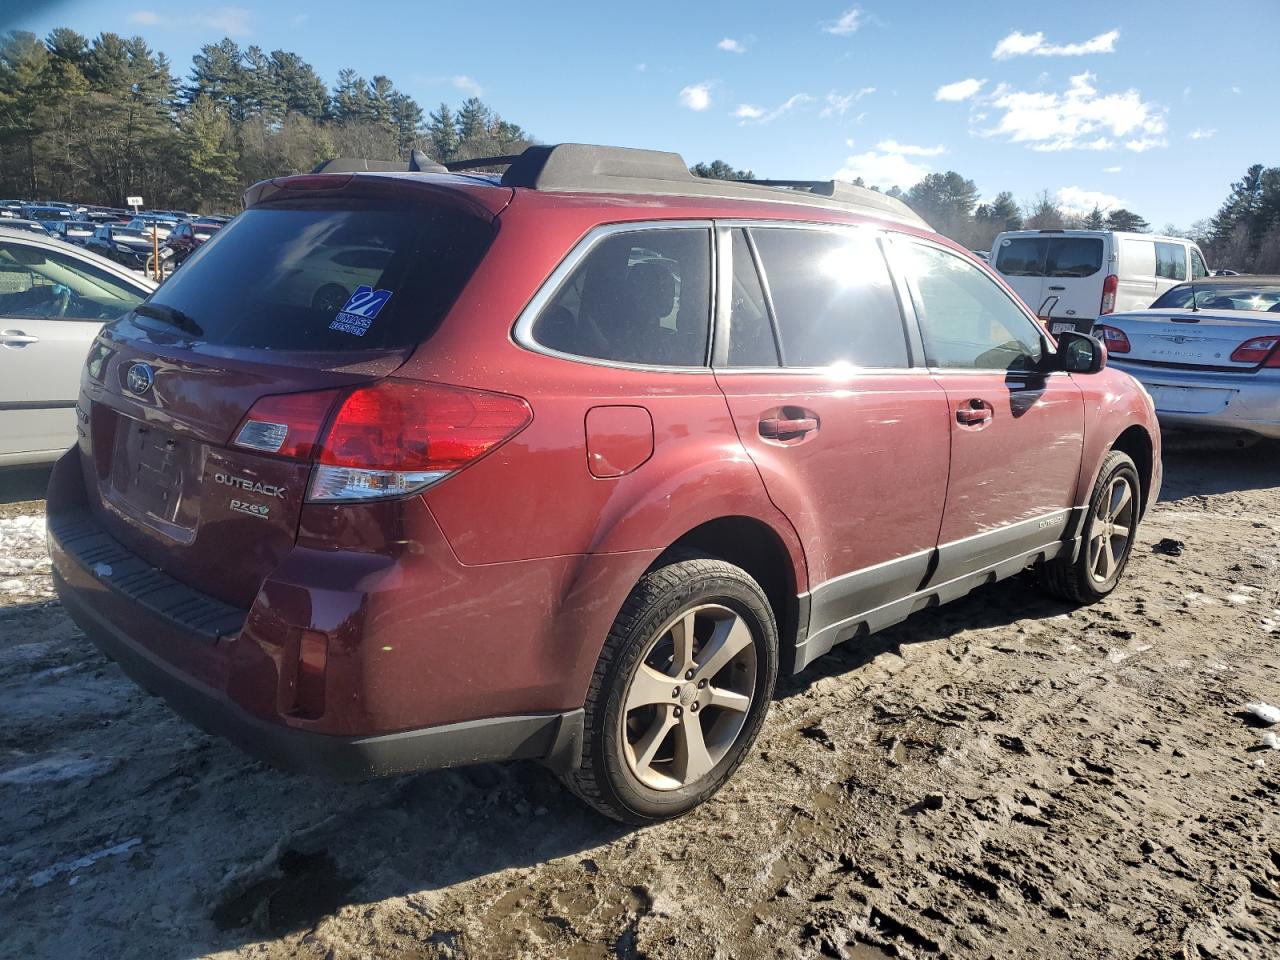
(689, 697)
(1111, 530)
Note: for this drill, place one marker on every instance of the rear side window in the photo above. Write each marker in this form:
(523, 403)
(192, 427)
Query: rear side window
(1074, 256)
(272, 279)
(642, 296)
(1022, 256)
(1171, 261)
(833, 298)
(1199, 269)
(969, 323)
(43, 285)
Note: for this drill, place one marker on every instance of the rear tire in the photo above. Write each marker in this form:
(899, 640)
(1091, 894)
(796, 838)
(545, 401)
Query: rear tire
(1110, 527)
(679, 693)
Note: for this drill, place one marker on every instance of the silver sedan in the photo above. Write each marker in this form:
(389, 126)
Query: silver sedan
(54, 298)
(1208, 353)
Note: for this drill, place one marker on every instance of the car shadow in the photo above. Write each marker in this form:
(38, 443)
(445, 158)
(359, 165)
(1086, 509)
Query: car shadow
(21, 484)
(1203, 465)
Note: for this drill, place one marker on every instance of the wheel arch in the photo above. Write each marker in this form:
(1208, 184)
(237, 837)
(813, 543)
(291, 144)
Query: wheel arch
(1136, 442)
(759, 549)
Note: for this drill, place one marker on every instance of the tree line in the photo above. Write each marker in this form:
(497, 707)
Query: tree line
(96, 120)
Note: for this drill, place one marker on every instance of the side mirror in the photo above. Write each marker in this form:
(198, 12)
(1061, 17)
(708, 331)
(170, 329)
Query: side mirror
(1080, 353)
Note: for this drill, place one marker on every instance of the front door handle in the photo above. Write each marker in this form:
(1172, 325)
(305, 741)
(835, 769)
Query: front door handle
(974, 413)
(787, 428)
(16, 338)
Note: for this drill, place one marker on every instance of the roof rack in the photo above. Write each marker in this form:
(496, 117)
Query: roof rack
(588, 168)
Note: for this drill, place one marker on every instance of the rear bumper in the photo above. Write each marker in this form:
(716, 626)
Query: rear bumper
(234, 672)
(1210, 400)
(554, 738)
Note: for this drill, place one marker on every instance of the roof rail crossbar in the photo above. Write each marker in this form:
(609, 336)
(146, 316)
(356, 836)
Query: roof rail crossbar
(475, 162)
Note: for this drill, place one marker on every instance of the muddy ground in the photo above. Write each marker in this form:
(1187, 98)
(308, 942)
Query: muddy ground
(1002, 777)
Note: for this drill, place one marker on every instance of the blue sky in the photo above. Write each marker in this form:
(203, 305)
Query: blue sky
(1154, 106)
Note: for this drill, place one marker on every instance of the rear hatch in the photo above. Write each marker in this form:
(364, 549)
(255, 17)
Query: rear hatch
(1194, 339)
(326, 283)
(1060, 277)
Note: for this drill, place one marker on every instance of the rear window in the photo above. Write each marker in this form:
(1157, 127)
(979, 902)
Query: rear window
(317, 276)
(1049, 256)
(1171, 261)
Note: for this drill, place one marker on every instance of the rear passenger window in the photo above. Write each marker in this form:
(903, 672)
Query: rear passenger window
(1171, 261)
(1074, 256)
(1199, 269)
(750, 336)
(968, 322)
(643, 296)
(833, 299)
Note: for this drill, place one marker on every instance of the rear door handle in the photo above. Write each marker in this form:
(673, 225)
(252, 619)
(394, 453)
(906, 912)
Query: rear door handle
(974, 413)
(16, 338)
(783, 428)
(1057, 288)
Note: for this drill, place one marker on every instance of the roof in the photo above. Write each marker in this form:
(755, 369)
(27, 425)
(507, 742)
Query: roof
(590, 168)
(1239, 280)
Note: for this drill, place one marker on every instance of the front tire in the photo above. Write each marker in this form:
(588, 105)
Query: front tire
(679, 693)
(1110, 527)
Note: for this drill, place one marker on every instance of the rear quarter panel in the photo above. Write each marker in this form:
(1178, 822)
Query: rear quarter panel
(1114, 402)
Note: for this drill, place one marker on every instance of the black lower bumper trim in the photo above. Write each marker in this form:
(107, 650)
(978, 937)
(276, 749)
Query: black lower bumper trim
(553, 737)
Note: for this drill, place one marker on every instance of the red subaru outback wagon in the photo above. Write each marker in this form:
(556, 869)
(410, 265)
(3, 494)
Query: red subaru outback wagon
(419, 468)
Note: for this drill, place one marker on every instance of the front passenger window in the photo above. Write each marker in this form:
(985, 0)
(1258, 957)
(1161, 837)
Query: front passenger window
(968, 322)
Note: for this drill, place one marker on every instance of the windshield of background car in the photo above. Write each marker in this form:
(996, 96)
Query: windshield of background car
(329, 275)
(1215, 297)
(126, 234)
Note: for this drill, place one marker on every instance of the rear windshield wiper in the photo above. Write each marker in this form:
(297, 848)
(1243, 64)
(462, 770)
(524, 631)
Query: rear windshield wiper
(171, 316)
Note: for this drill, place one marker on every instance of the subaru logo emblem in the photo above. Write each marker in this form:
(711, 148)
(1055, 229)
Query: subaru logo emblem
(140, 378)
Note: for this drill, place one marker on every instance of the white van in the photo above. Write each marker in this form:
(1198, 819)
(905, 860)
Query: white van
(1071, 277)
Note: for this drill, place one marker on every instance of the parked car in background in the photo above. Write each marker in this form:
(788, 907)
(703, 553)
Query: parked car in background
(516, 494)
(74, 231)
(125, 245)
(29, 226)
(186, 237)
(1226, 273)
(49, 216)
(1208, 353)
(54, 299)
(1072, 277)
(162, 227)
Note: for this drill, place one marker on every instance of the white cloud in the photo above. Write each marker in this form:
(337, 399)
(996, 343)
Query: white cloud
(909, 150)
(233, 21)
(230, 21)
(696, 96)
(960, 90)
(1116, 169)
(1143, 144)
(1077, 200)
(1078, 119)
(730, 45)
(1019, 44)
(642, 67)
(838, 104)
(467, 85)
(1237, 91)
(882, 169)
(1200, 133)
(848, 22)
(750, 113)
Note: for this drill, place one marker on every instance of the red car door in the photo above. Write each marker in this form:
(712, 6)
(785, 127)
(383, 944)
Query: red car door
(850, 438)
(1017, 433)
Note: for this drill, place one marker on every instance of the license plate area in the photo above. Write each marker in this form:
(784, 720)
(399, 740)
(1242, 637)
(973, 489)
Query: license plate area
(1170, 399)
(150, 471)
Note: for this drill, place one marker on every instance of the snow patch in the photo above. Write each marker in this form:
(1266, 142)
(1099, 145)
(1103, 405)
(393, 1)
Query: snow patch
(43, 877)
(56, 770)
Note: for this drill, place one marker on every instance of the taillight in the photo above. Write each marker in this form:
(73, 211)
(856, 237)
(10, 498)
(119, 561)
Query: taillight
(1258, 350)
(1117, 340)
(286, 424)
(397, 437)
(385, 440)
(1109, 287)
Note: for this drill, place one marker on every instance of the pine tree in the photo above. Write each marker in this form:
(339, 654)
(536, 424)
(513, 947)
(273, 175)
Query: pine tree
(443, 131)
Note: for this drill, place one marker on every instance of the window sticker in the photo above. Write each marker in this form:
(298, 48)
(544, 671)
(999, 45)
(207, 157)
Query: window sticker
(360, 310)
